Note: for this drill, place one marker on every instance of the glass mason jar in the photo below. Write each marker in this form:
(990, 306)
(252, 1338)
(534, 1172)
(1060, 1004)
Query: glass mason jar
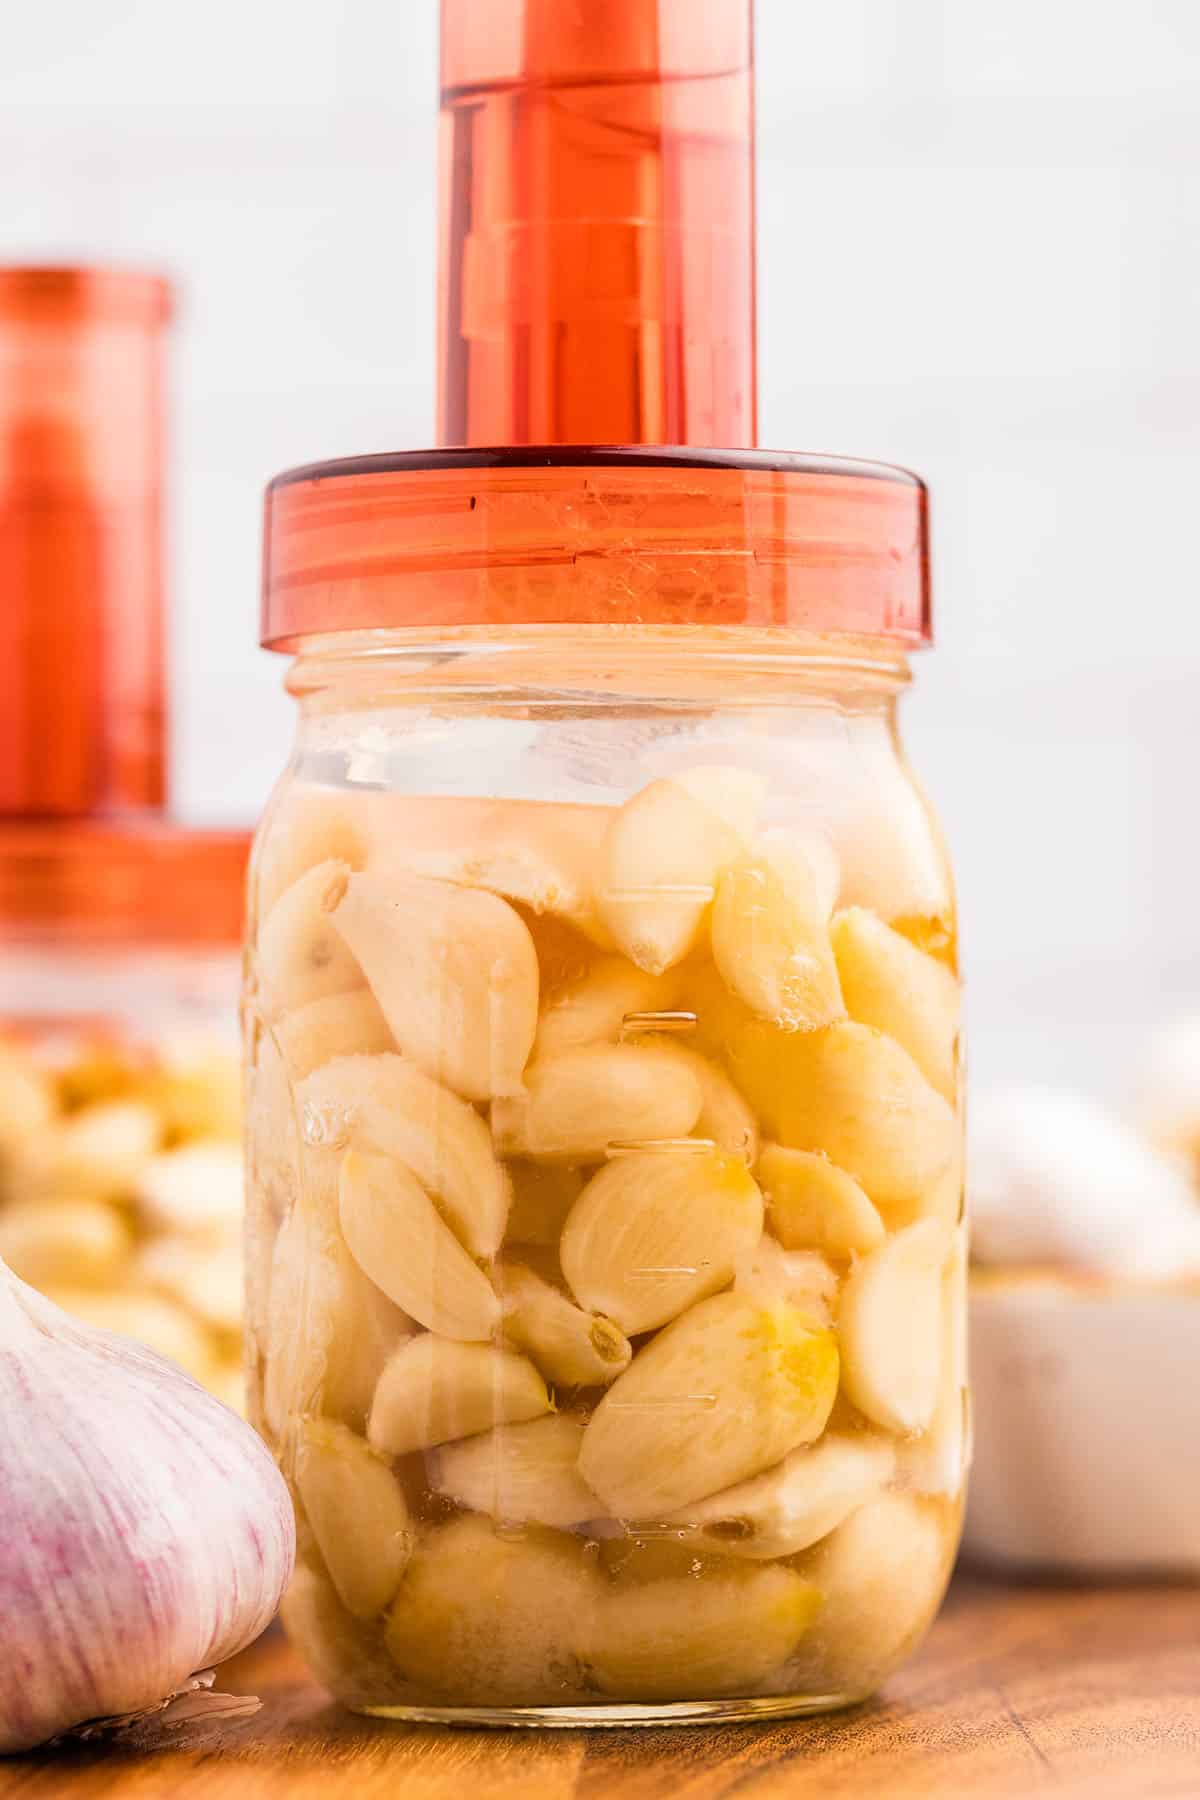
(605, 1241)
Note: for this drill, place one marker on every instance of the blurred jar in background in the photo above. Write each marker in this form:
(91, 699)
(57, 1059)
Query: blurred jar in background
(120, 1168)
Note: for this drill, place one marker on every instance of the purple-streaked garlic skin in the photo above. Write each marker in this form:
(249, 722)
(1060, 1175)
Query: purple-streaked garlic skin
(145, 1532)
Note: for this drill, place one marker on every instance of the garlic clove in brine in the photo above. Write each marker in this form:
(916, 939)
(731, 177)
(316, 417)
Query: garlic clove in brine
(146, 1533)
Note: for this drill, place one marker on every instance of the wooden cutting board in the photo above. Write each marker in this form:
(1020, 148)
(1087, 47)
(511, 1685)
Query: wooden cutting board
(1077, 1694)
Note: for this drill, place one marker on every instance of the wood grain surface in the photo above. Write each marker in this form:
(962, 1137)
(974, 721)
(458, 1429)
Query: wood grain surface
(1075, 1693)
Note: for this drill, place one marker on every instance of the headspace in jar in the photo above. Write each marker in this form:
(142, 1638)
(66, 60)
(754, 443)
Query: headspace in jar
(605, 1184)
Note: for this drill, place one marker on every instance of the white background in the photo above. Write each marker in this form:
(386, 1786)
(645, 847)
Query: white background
(979, 255)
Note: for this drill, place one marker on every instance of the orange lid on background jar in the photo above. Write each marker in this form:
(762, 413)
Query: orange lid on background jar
(86, 848)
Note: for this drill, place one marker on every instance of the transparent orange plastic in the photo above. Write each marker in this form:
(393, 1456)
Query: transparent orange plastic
(597, 238)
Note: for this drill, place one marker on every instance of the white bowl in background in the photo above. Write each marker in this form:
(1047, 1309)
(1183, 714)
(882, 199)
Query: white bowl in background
(1086, 1405)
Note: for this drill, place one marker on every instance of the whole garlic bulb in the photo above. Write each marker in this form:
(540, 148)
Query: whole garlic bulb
(145, 1532)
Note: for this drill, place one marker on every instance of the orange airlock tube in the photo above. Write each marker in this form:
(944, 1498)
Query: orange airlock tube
(596, 270)
(81, 657)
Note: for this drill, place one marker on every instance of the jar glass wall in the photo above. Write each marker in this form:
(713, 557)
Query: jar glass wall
(605, 1238)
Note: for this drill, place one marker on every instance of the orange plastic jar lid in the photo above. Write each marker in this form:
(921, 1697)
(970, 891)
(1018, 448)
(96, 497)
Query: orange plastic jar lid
(565, 535)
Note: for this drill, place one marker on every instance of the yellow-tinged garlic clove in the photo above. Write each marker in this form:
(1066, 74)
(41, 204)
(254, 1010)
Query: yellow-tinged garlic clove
(543, 1195)
(881, 1576)
(366, 1328)
(337, 1025)
(455, 973)
(433, 1390)
(665, 851)
(519, 1473)
(727, 1633)
(719, 1395)
(485, 1618)
(148, 1534)
(385, 1105)
(802, 1278)
(890, 1324)
(725, 1117)
(399, 1240)
(358, 1514)
(791, 1506)
(587, 1100)
(770, 940)
(812, 1204)
(899, 990)
(196, 1189)
(656, 1230)
(65, 1243)
(301, 1318)
(719, 1014)
(593, 1008)
(569, 1346)
(855, 1095)
(300, 956)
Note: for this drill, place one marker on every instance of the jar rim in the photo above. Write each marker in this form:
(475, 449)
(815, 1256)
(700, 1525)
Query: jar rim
(606, 535)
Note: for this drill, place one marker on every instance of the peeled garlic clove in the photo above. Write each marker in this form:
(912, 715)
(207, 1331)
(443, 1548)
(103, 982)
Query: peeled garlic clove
(575, 1107)
(725, 1117)
(357, 1512)
(364, 1329)
(305, 825)
(719, 1014)
(663, 855)
(486, 1619)
(99, 1151)
(770, 940)
(543, 1195)
(433, 1390)
(718, 1396)
(519, 1473)
(811, 1203)
(26, 1099)
(856, 1096)
(65, 1243)
(593, 1008)
(900, 991)
(724, 1634)
(881, 1576)
(802, 1278)
(148, 1535)
(197, 1093)
(936, 1461)
(196, 1189)
(540, 854)
(455, 973)
(301, 1319)
(336, 1025)
(656, 1230)
(794, 1504)
(891, 1328)
(570, 1346)
(397, 1238)
(344, 1653)
(300, 955)
(386, 1105)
